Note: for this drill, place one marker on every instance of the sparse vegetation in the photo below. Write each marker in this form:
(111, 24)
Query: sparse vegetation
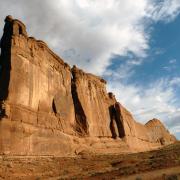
(163, 163)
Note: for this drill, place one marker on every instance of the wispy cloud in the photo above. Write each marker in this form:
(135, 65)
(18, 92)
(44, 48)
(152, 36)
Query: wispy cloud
(171, 66)
(175, 81)
(165, 10)
(92, 30)
(172, 61)
(157, 100)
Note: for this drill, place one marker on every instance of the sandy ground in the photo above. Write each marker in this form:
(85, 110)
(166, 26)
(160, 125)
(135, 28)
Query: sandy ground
(158, 164)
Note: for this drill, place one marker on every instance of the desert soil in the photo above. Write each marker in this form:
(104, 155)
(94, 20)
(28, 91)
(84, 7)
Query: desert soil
(158, 164)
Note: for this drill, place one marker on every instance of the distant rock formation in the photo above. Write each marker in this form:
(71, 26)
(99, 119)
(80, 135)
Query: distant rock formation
(158, 133)
(49, 108)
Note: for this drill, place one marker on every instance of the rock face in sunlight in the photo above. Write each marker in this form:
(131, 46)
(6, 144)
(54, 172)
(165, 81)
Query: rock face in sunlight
(49, 108)
(92, 104)
(158, 132)
(140, 135)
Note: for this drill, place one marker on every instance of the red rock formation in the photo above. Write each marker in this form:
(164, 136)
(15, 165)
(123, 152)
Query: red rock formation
(48, 108)
(91, 104)
(139, 136)
(158, 133)
(35, 92)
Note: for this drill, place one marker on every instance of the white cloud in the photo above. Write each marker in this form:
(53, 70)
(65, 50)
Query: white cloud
(172, 61)
(175, 81)
(166, 10)
(171, 66)
(158, 100)
(125, 69)
(93, 30)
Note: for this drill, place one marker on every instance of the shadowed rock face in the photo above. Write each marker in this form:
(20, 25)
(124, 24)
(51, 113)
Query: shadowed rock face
(82, 126)
(48, 108)
(5, 63)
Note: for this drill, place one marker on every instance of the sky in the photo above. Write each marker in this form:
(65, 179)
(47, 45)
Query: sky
(134, 45)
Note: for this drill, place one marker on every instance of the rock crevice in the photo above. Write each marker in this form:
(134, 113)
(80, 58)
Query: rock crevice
(81, 126)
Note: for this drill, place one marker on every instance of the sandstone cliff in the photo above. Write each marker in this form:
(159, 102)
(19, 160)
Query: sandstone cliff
(35, 93)
(47, 107)
(158, 132)
(90, 93)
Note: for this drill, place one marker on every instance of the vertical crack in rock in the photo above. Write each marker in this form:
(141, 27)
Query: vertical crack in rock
(81, 126)
(5, 63)
(116, 125)
(54, 107)
(113, 126)
(119, 120)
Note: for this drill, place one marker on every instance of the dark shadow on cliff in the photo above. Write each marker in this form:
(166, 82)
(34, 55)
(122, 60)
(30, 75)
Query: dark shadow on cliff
(81, 121)
(116, 127)
(81, 127)
(112, 113)
(5, 64)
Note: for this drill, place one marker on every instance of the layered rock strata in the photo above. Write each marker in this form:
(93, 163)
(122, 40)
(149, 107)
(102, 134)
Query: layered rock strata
(49, 108)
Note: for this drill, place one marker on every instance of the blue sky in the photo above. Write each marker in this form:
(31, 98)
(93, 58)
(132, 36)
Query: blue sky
(132, 44)
(162, 63)
(162, 56)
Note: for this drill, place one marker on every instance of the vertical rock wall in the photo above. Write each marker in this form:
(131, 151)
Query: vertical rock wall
(46, 107)
(39, 83)
(142, 137)
(35, 94)
(92, 109)
(158, 132)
